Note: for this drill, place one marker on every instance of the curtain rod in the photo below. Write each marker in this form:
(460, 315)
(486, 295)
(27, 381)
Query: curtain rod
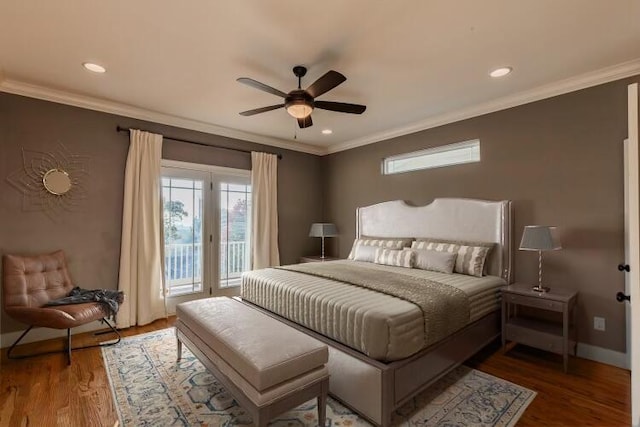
(121, 129)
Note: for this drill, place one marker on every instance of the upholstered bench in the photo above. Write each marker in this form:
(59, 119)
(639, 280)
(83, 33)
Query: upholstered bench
(267, 366)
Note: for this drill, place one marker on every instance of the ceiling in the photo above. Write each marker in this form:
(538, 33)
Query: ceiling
(414, 63)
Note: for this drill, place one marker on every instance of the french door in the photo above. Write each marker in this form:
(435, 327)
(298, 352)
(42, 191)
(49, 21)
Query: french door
(207, 230)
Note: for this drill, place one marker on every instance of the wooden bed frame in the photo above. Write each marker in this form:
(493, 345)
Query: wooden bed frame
(375, 389)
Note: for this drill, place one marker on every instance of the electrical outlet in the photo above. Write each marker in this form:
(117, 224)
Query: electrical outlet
(598, 323)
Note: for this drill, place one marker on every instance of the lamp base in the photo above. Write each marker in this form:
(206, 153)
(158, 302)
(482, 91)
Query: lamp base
(541, 289)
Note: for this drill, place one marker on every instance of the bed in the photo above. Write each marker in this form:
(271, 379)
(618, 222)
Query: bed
(384, 349)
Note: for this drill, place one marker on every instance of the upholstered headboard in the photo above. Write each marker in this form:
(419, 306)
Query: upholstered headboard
(452, 219)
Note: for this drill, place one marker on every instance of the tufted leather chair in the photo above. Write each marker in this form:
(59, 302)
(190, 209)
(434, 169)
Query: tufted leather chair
(30, 282)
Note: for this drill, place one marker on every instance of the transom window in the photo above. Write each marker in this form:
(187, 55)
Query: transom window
(436, 157)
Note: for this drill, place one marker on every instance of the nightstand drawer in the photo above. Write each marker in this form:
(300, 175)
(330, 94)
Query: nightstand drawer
(534, 301)
(534, 338)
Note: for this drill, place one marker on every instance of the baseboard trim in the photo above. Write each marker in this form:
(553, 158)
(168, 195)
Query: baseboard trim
(42, 334)
(603, 355)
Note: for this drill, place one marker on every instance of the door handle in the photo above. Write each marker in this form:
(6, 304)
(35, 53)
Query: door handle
(624, 267)
(620, 296)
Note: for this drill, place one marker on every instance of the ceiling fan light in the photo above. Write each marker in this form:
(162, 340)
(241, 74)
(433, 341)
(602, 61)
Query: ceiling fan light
(299, 110)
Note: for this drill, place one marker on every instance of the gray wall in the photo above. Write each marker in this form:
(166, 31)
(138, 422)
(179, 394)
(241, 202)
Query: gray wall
(561, 162)
(90, 235)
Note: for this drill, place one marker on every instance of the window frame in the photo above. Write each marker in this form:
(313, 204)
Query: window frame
(237, 179)
(211, 226)
(183, 173)
(469, 144)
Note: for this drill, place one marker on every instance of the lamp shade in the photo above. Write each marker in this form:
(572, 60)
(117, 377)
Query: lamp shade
(540, 238)
(323, 229)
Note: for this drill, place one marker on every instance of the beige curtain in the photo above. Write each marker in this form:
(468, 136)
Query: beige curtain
(141, 269)
(264, 213)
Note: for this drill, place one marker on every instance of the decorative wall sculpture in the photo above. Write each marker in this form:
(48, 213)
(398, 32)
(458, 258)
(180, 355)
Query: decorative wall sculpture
(52, 182)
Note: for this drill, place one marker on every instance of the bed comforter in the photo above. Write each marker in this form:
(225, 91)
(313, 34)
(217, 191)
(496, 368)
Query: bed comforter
(387, 313)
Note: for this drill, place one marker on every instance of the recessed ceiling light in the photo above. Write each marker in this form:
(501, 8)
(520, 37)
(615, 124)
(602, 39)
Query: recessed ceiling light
(500, 72)
(327, 131)
(94, 67)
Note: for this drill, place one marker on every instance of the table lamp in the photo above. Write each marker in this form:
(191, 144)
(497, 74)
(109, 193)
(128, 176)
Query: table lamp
(322, 230)
(540, 238)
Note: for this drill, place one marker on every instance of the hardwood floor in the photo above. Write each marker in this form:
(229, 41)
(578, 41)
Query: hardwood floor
(44, 391)
(590, 394)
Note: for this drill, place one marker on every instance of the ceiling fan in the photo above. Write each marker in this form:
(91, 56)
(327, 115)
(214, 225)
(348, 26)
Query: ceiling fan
(299, 103)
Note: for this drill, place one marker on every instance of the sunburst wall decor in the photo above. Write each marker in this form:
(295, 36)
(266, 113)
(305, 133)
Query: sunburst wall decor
(52, 182)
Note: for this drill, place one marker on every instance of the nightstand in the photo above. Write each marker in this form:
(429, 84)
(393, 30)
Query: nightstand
(552, 336)
(317, 258)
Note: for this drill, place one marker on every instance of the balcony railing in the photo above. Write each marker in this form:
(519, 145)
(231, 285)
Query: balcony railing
(183, 266)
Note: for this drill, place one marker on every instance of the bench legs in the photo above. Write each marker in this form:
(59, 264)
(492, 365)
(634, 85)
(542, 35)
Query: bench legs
(322, 405)
(261, 420)
(261, 415)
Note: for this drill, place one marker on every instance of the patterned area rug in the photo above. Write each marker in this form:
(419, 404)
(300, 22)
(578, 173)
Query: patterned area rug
(151, 389)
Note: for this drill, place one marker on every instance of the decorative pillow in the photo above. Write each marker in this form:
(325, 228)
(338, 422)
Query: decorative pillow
(471, 256)
(380, 242)
(442, 262)
(365, 253)
(395, 257)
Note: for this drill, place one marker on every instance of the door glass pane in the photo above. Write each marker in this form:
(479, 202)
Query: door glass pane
(183, 202)
(235, 212)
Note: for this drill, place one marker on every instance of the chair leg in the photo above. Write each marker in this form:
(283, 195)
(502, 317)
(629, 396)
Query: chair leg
(13, 346)
(68, 347)
(105, 344)
(106, 332)
(114, 330)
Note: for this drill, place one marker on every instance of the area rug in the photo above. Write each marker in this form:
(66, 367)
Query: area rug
(151, 389)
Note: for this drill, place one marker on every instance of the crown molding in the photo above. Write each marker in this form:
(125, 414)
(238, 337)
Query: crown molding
(582, 81)
(31, 90)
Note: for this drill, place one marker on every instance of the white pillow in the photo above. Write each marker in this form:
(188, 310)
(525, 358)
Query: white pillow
(364, 253)
(471, 258)
(442, 262)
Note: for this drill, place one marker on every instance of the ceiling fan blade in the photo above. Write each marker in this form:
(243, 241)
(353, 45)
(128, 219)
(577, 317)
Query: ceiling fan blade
(342, 107)
(261, 110)
(256, 84)
(325, 83)
(305, 122)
